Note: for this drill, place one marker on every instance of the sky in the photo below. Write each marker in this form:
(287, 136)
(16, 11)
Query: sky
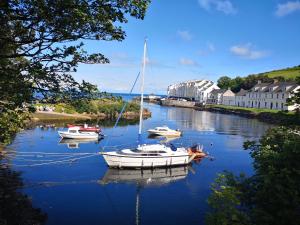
(198, 39)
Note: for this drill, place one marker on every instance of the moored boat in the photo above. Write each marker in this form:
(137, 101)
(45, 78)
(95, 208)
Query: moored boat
(148, 156)
(164, 131)
(75, 133)
(86, 128)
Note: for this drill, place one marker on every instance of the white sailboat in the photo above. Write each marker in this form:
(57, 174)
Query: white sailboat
(147, 155)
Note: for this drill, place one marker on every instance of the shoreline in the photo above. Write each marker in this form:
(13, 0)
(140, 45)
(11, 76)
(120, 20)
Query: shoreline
(276, 117)
(264, 115)
(46, 116)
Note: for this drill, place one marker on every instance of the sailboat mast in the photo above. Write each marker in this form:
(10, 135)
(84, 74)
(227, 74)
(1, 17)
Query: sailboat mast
(142, 87)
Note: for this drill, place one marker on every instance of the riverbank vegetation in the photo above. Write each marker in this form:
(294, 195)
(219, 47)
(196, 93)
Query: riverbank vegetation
(271, 195)
(88, 110)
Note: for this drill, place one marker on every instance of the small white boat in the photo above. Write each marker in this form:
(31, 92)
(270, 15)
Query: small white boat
(148, 156)
(164, 131)
(75, 133)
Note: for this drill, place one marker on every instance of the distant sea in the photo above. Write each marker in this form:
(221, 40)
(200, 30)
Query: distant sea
(129, 97)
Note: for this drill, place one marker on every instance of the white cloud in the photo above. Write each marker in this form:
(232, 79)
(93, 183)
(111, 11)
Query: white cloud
(246, 51)
(224, 6)
(211, 47)
(188, 62)
(185, 35)
(287, 8)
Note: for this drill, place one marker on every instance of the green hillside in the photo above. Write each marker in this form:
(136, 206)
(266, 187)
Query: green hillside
(288, 73)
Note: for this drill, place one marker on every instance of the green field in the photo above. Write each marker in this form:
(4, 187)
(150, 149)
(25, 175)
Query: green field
(288, 73)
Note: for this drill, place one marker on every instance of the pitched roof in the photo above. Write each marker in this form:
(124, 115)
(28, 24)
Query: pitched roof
(242, 92)
(218, 91)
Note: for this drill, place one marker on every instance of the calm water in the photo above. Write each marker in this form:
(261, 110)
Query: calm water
(85, 191)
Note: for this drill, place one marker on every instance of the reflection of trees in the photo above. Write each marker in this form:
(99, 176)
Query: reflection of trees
(16, 208)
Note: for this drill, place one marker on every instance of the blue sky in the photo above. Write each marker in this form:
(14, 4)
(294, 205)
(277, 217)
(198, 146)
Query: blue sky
(199, 39)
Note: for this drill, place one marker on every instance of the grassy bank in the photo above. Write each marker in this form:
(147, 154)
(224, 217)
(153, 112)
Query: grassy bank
(266, 115)
(87, 110)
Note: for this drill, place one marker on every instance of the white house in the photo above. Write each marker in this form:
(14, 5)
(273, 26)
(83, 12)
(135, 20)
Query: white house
(271, 95)
(240, 98)
(216, 96)
(196, 90)
(228, 98)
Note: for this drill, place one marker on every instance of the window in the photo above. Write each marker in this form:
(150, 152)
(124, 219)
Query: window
(277, 95)
(281, 105)
(283, 95)
(265, 104)
(276, 104)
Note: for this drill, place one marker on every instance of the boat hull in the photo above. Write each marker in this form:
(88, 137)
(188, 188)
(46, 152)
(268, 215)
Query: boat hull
(84, 135)
(116, 161)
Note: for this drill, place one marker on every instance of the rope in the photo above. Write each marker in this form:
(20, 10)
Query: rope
(121, 112)
(58, 161)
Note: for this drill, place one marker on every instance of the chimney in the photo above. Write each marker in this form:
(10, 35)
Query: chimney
(275, 81)
(259, 82)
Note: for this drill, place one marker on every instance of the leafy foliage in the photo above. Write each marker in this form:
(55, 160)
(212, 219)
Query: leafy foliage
(295, 99)
(238, 83)
(271, 195)
(41, 45)
(235, 84)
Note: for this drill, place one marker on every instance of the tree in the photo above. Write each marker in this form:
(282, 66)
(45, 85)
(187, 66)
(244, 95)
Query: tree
(41, 43)
(271, 195)
(236, 84)
(224, 82)
(295, 99)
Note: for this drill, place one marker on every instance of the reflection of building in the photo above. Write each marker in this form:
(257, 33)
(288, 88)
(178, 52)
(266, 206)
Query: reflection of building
(197, 90)
(189, 118)
(220, 123)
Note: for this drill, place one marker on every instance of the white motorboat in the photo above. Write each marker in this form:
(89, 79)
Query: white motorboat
(75, 133)
(164, 131)
(147, 156)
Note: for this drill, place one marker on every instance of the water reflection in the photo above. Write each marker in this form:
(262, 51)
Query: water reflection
(144, 178)
(216, 122)
(75, 143)
(162, 139)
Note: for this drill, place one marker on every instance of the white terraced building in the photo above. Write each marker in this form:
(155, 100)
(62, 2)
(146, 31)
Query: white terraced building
(196, 90)
(268, 95)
